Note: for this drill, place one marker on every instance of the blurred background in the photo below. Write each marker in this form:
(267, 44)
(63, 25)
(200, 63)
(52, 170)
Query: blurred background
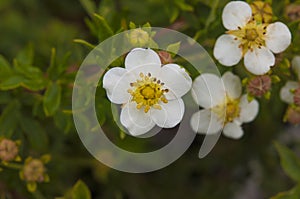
(41, 34)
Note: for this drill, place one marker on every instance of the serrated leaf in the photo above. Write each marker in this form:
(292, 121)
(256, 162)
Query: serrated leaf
(81, 191)
(52, 98)
(289, 162)
(35, 133)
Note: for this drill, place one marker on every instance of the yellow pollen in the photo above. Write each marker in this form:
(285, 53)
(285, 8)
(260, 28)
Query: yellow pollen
(148, 92)
(251, 36)
(228, 111)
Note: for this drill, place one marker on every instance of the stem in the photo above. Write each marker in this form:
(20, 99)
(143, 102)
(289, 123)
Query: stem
(38, 195)
(12, 165)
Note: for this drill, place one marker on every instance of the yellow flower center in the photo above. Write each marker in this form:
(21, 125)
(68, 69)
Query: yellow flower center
(147, 92)
(251, 36)
(228, 111)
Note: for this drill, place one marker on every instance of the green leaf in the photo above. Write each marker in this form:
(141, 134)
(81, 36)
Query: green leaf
(9, 119)
(28, 71)
(55, 70)
(11, 82)
(25, 56)
(184, 6)
(89, 6)
(81, 191)
(31, 186)
(52, 98)
(174, 48)
(212, 16)
(104, 30)
(132, 25)
(35, 133)
(87, 44)
(289, 162)
(34, 84)
(63, 121)
(291, 194)
(5, 68)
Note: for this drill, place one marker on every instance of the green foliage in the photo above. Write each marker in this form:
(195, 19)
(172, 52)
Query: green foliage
(291, 166)
(78, 191)
(39, 58)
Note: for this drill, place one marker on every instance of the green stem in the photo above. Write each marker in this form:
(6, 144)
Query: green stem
(11, 165)
(38, 195)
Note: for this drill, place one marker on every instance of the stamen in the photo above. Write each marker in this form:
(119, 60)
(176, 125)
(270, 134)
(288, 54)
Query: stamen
(148, 92)
(157, 106)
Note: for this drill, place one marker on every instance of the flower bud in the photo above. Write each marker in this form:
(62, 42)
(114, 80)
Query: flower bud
(139, 37)
(293, 12)
(293, 115)
(297, 97)
(259, 85)
(262, 11)
(8, 150)
(34, 170)
(165, 57)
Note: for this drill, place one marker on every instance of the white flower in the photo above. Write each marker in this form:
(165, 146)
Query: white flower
(150, 93)
(254, 41)
(224, 107)
(286, 93)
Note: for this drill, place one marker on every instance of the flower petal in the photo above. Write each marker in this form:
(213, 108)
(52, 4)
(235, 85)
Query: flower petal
(227, 50)
(170, 115)
(233, 130)
(208, 90)
(285, 92)
(236, 14)
(232, 85)
(278, 37)
(116, 82)
(206, 122)
(259, 61)
(249, 111)
(140, 56)
(176, 80)
(296, 65)
(135, 120)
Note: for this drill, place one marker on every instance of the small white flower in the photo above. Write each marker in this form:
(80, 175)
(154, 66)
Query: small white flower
(286, 93)
(224, 107)
(254, 41)
(149, 92)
